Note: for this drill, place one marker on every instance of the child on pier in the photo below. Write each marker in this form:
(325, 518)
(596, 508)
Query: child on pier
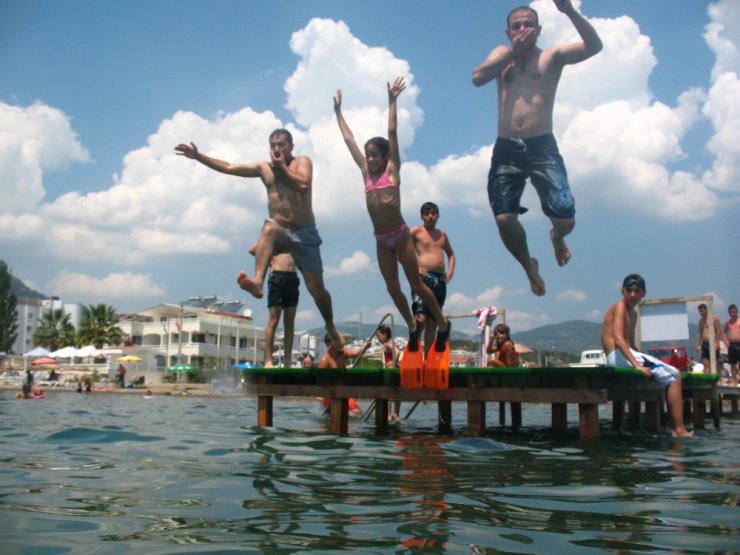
(380, 166)
(618, 341)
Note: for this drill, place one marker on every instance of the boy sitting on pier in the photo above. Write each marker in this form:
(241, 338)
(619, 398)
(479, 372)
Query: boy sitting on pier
(618, 341)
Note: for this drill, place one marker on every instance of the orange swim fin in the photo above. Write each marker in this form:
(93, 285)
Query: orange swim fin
(437, 369)
(412, 368)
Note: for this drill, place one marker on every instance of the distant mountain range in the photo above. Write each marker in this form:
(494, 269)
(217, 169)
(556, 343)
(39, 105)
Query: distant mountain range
(21, 291)
(570, 337)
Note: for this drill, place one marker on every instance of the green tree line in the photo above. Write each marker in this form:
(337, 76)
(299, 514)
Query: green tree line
(55, 330)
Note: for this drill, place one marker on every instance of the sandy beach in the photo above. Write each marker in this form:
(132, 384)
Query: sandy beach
(175, 389)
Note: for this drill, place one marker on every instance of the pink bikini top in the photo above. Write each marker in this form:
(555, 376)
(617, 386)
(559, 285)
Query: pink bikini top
(383, 183)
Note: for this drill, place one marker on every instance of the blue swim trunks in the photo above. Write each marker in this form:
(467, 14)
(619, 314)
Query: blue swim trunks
(438, 284)
(538, 158)
(282, 289)
(303, 245)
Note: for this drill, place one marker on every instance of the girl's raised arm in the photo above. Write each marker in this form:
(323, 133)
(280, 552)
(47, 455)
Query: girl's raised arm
(394, 91)
(349, 138)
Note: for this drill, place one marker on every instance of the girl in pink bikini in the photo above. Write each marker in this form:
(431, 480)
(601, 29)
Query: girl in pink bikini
(380, 167)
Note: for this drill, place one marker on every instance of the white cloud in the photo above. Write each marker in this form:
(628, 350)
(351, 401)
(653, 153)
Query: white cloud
(523, 321)
(571, 296)
(114, 286)
(595, 314)
(723, 37)
(358, 262)
(305, 316)
(33, 140)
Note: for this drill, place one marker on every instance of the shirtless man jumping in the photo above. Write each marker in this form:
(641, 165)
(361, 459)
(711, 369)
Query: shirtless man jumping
(527, 78)
(288, 181)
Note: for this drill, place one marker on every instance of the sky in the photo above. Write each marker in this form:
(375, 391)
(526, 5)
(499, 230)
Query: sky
(96, 208)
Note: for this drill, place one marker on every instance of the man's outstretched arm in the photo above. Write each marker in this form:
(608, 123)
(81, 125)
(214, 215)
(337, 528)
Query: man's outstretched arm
(242, 170)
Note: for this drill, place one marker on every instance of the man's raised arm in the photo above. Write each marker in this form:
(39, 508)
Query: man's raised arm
(580, 51)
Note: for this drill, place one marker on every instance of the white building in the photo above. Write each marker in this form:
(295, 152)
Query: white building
(29, 316)
(199, 336)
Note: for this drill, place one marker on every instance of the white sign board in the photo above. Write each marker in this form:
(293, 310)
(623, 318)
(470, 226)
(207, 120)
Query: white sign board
(664, 322)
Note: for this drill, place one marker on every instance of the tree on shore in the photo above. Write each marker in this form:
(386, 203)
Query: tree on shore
(55, 330)
(98, 326)
(8, 312)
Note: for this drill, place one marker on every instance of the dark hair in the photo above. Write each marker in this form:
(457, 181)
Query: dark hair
(385, 329)
(522, 9)
(281, 131)
(634, 279)
(381, 143)
(732, 306)
(429, 206)
(702, 305)
(503, 328)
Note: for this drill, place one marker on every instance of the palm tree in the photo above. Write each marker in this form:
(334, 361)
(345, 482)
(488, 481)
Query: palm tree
(54, 330)
(98, 326)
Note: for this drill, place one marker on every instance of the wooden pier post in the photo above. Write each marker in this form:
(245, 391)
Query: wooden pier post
(264, 410)
(476, 418)
(559, 418)
(588, 414)
(339, 415)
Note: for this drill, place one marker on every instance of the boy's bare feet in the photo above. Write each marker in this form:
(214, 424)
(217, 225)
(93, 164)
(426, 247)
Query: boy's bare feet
(562, 251)
(682, 433)
(442, 336)
(336, 337)
(254, 289)
(413, 339)
(535, 281)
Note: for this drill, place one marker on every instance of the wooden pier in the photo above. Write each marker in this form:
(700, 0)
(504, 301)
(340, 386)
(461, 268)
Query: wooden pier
(586, 387)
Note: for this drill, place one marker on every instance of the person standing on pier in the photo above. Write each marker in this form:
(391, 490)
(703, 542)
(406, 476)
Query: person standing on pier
(731, 334)
(431, 244)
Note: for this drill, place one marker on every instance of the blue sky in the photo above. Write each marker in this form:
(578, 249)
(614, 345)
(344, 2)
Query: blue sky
(95, 95)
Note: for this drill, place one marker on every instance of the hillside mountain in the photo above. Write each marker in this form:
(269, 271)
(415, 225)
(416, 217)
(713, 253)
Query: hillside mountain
(21, 291)
(570, 337)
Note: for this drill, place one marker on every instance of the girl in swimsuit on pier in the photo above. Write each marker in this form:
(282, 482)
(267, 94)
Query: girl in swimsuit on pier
(380, 166)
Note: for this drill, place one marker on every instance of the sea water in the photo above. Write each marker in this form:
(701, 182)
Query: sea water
(106, 473)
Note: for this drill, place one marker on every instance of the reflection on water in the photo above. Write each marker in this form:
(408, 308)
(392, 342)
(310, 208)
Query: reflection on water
(112, 474)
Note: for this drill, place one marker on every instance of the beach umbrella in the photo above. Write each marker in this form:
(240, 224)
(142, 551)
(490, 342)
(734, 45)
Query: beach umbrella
(65, 352)
(44, 361)
(38, 352)
(522, 349)
(180, 368)
(129, 358)
(244, 365)
(86, 351)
